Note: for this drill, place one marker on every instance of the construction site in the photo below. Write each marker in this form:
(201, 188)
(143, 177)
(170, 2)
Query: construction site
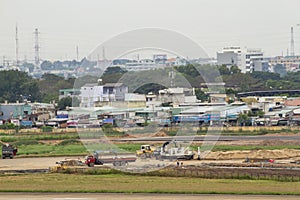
(173, 158)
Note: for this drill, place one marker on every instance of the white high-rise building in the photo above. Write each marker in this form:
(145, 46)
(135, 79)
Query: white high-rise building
(243, 58)
(90, 93)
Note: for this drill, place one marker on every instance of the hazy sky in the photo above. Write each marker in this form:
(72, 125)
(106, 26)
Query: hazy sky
(213, 24)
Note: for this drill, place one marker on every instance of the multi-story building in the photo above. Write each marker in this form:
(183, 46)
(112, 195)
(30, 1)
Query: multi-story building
(243, 58)
(288, 63)
(63, 93)
(177, 96)
(92, 92)
(261, 66)
(160, 58)
(114, 92)
(14, 110)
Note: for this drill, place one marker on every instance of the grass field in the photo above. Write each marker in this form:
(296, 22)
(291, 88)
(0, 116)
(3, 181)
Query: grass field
(40, 149)
(68, 144)
(140, 184)
(79, 149)
(51, 144)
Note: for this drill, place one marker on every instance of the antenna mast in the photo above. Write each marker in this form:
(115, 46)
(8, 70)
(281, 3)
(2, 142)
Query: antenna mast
(37, 48)
(17, 46)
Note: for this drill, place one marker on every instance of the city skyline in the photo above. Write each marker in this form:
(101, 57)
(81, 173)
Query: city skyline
(64, 25)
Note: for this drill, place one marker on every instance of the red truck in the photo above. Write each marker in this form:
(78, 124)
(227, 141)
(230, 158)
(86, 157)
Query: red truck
(92, 160)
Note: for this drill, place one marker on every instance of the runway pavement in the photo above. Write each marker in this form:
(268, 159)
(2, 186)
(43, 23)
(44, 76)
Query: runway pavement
(113, 196)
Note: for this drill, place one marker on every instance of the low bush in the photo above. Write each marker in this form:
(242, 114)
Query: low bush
(7, 126)
(25, 142)
(69, 141)
(47, 129)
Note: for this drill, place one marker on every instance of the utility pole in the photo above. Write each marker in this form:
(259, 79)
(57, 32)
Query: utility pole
(103, 54)
(17, 46)
(3, 61)
(37, 48)
(77, 53)
(172, 75)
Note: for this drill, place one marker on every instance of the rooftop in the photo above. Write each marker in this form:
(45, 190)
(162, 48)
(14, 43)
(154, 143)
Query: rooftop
(113, 84)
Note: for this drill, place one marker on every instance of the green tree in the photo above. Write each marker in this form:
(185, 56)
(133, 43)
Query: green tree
(150, 87)
(50, 97)
(15, 84)
(46, 65)
(235, 70)
(50, 85)
(64, 102)
(223, 69)
(243, 119)
(201, 95)
(264, 76)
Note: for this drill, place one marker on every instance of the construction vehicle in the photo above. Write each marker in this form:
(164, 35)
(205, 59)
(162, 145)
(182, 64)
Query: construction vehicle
(66, 164)
(174, 151)
(146, 151)
(168, 151)
(96, 159)
(70, 162)
(9, 151)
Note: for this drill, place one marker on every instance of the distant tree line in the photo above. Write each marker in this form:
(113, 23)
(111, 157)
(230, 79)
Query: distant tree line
(18, 86)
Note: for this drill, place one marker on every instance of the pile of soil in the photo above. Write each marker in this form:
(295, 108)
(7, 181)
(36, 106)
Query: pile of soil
(259, 154)
(126, 135)
(160, 133)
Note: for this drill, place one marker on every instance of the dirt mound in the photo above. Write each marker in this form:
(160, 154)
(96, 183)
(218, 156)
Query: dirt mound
(160, 133)
(126, 135)
(259, 154)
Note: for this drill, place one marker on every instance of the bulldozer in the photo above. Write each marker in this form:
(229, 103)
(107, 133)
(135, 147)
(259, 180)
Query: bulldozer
(146, 151)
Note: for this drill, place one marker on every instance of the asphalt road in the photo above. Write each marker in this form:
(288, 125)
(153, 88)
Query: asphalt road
(211, 138)
(96, 196)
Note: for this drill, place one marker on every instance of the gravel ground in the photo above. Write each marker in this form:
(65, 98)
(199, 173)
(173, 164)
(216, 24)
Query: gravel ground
(31, 163)
(46, 162)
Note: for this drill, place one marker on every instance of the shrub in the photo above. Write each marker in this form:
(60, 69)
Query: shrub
(8, 126)
(25, 142)
(69, 141)
(47, 129)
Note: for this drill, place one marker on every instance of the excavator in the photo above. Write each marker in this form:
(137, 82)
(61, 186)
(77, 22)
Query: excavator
(170, 150)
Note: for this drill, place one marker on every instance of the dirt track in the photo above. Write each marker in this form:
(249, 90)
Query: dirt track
(31, 163)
